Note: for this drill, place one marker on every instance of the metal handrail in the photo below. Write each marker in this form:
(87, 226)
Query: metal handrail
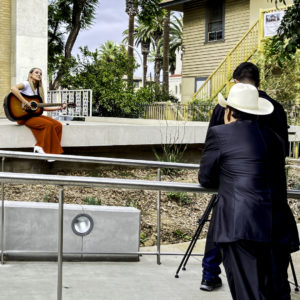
(98, 160)
(103, 182)
(61, 181)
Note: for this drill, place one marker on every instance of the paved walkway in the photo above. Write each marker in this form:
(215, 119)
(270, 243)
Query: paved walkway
(144, 280)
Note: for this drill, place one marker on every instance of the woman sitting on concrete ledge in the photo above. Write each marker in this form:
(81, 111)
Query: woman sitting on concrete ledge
(46, 130)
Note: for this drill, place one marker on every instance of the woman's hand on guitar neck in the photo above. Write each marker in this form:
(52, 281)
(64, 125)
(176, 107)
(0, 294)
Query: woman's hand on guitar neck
(63, 106)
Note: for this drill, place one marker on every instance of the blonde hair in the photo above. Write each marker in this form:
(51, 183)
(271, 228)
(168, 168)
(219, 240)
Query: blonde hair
(40, 84)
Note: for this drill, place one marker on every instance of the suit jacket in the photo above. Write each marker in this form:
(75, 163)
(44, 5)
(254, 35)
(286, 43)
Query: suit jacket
(277, 120)
(246, 162)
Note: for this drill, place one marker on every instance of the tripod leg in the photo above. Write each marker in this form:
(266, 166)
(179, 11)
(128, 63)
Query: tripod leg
(201, 224)
(294, 275)
(196, 235)
(189, 249)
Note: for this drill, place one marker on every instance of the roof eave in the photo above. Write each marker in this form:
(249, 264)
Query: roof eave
(174, 5)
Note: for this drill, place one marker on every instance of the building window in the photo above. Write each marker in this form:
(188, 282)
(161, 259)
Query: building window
(198, 82)
(136, 84)
(215, 20)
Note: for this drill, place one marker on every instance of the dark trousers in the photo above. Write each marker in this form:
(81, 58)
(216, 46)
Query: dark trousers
(256, 271)
(212, 257)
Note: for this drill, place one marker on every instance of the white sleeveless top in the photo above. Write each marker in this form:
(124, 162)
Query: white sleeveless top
(27, 89)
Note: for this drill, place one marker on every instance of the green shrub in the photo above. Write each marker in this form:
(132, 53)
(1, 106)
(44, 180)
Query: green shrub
(180, 198)
(131, 203)
(92, 201)
(180, 235)
(143, 237)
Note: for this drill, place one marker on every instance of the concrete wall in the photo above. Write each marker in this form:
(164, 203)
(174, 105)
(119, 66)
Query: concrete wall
(24, 41)
(33, 226)
(175, 86)
(31, 38)
(187, 88)
(256, 5)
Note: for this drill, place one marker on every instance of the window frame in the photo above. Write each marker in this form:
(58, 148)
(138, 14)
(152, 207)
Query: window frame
(223, 24)
(197, 79)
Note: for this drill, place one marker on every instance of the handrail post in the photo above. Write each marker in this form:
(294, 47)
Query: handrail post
(91, 103)
(2, 216)
(228, 73)
(158, 218)
(60, 242)
(261, 29)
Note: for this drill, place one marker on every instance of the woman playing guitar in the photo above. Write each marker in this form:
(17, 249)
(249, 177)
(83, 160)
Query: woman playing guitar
(46, 130)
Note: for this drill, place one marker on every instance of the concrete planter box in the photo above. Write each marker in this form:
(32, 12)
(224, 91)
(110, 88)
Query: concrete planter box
(33, 227)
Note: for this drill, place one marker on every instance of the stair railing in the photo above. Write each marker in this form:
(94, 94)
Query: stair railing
(222, 75)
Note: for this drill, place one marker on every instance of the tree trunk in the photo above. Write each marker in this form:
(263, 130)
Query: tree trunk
(131, 10)
(145, 49)
(158, 58)
(157, 68)
(166, 43)
(76, 25)
(157, 36)
(130, 50)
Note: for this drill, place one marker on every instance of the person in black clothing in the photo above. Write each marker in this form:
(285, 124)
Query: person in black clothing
(245, 73)
(252, 221)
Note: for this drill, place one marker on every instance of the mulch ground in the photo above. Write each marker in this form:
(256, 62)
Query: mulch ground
(179, 211)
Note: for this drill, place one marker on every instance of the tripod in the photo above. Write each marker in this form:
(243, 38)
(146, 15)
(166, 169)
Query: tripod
(201, 223)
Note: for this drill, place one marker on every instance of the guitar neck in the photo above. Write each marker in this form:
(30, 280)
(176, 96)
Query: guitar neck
(48, 104)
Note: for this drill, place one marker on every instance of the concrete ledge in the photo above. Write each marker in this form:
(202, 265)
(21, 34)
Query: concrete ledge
(96, 132)
(99, 132)
(33, 227)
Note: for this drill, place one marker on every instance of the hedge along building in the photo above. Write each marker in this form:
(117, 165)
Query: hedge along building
(216, 37)
(23, 41)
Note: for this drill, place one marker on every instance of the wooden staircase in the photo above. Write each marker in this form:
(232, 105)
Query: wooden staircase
(242, 51)
(222, 75)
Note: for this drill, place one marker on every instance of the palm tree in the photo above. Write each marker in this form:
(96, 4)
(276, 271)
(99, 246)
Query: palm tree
(131, 10)
(157, 38)
(150, 37)
(144, 39)
(176, 26)
(166, 43)
(108, 51)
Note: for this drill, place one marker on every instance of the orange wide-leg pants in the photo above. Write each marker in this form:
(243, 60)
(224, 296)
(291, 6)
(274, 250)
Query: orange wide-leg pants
(47, 132)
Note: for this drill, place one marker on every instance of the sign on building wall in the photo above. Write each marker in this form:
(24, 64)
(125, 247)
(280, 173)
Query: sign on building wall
(272, 21)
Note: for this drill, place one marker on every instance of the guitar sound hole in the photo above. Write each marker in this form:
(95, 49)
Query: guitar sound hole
(33, 105)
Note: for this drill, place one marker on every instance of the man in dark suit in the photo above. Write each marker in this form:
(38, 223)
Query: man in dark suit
(245, 73)
(252, 222)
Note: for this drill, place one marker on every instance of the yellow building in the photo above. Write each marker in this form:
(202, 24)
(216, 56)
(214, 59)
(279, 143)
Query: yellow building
(211, 29)
(5, 38)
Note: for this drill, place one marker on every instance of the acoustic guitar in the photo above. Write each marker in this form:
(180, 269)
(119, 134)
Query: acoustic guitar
(14, 108)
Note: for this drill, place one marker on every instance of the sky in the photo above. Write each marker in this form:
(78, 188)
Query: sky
(111, 20)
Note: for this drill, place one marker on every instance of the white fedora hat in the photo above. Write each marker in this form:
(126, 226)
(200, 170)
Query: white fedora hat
(244, 97)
